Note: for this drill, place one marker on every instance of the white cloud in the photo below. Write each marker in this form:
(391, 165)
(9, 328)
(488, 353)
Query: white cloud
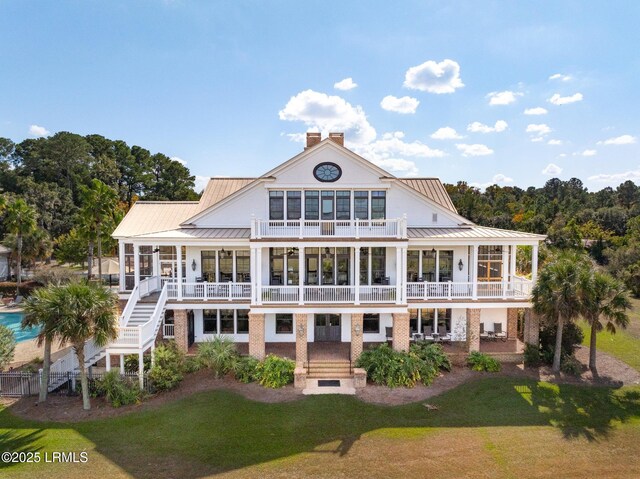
(619, 140)
(432, 77)
(498, 179)
(329, 113)
(474, 150)
(296, 137)
(556, 99)
(392, 146)
(536, 111)
(560, 76)
(346, 84)
(554, 142)
(404, 105)
(617, 178)
(200, 182)
(588, 153)
(36, 130)
(539, 129)
(446, 133)
(179, 160)
(552, 170)
(477, 127)
(537, 139)
(398, 166)
(502, 97)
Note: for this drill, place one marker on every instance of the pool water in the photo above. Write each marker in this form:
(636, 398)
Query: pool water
(12, 321)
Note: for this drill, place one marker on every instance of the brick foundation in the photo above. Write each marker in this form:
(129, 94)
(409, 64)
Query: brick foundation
(401, 331)
(256, 335)
(512, 323)
(300, 325)
(181, 329)
(356, 336)
(359, 378)
(300, 378)
(473, 329)
(531, 327)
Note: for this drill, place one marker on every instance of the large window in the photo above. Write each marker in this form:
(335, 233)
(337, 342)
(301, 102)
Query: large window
(208, 261)
(327, 205)
(312, 265)
(361, 204)
(276, 260)
(445, 267)
(343, 205)
(371, 323)
(129, 267)
(226, 321)
(429, 265)
(232, 321)
(378, 205)
(413, 265)
(294, 205)
(243, 266)
(312, 205)
(210, 321)
(225, 265)
(489, 263)
(293, 268)
(284, 323)
(276, 205)
(146, 261)
(342, 266)
(242, 322)
(378, 266)
(429, 321)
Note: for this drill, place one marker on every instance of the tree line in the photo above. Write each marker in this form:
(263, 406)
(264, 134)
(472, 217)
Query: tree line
(63, 195)
(605, 222)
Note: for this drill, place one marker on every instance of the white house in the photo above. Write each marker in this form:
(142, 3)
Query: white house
(326, 249)
(4, 262)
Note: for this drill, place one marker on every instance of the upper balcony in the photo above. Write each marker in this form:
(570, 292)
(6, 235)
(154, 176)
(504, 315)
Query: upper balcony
(356, 228)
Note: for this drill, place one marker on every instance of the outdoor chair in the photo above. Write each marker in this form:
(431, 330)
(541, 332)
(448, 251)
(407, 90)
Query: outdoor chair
(483, 334)
(444, 335)
(15, 302)
(428, 332)
(497, 331)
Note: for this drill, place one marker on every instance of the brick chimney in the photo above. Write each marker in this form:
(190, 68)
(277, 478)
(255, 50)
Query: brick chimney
(337, 138)
(312, 139)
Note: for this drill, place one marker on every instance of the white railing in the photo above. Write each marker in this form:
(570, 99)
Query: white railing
(381, 228)
(349, 294)
(131, 303)
(329, 294)
(209, 291)
(377, 294)
(168, 331)
(519, 288)
(280, 294)
(149, 285)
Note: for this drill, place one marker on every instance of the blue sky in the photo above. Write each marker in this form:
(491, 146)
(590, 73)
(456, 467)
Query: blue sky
(229, 87)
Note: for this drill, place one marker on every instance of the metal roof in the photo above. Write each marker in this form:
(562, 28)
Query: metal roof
(470, 232)
(146, 217)
(218, 189)
(433, 189)
(201, 233)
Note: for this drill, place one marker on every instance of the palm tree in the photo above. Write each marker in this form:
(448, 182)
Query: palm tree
(99, 203)
(20, 220)
(604, 298)
(42, 309)
(555, 295)
(86, 310)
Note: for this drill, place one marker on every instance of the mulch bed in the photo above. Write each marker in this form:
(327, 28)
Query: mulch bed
(61, 408)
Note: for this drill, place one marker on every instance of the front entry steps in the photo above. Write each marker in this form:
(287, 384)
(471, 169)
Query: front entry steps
(329, 369)
(315, 386)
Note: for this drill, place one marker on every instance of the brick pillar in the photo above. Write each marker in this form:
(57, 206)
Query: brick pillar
(181, 330)
(256, 335)
(512, 323)
(300, 325)
(531, 327)
(473, 329)
(401, 331)
(356, 336)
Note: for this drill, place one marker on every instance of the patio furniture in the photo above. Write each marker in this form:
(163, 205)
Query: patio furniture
(498, 332)
(444, 335)
(483, 334)
(427, 333)
(15, 302)
(417, 336)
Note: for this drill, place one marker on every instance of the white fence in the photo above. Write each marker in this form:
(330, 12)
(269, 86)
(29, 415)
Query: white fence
(381, 228)
(209, 291)
(518, 288)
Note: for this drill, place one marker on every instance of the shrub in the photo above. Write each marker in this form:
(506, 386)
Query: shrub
(8, 288)
(275, 372)
(481, 362)
(572, 337)
(218, 354)
(168, 368)
(570, 365)
(7, 346)
(394, 368)
(531, 356)
(245, 369)
(117, 390)
(191, 365)
(431, 353)
(131, 363)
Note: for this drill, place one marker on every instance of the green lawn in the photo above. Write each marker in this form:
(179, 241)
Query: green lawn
(495, 428)
(625, 344)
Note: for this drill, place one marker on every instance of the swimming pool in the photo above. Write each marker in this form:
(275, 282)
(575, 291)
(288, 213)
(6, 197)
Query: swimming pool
(12, 321)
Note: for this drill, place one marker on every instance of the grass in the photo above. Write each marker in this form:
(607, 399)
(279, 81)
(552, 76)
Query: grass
(625, 344)
(496, 427)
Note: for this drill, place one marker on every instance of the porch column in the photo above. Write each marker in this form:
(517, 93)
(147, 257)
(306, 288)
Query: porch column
(356, 336)
(122, 364)
(121, 264)
(401, 331)
(473, 329)
(301, 272)
(534, 263)
(252, 273)
(356, 268)
(108, 362)
(300, 324)
(398, 275)
(180, 329)
(512, 262)
(403, 278)
(256, 335)
(179, 273)
(153, 353)
(505, 270)
(136, 264)
(474, 272)
(258, 281)
(512, 323)
(141, 369)
(531, 327)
